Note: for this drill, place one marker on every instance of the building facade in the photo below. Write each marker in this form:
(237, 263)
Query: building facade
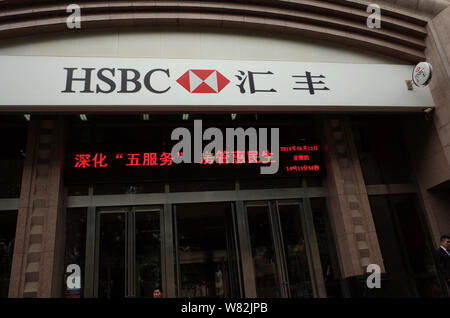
(92, 205)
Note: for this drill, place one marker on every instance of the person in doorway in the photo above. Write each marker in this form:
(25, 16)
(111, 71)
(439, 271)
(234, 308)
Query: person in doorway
(157, 293)
(442, 257)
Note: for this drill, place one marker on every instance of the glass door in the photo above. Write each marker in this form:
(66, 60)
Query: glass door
(207, 258)
(128, 252)
(286, 261)
(294, 250)
(267, 272)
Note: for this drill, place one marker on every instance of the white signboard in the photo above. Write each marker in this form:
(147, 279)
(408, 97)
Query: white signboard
(102, 84)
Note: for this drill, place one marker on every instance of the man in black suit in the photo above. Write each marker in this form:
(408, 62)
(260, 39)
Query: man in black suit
(442, 257)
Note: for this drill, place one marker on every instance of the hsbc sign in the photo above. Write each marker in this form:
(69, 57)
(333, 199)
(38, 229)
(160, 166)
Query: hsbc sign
(194, 81)
(53, 83)
(203, 81)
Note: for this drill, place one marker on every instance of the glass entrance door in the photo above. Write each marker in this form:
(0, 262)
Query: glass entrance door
(286, 261)
(216, 245)
(128, 257)
(207, 258)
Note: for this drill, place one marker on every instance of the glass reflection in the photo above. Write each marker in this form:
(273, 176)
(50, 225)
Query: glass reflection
(111, 274)
(8, 221)
(295, 251)
(207, 267)
(148, 253)
(75, 242)
(263, 252)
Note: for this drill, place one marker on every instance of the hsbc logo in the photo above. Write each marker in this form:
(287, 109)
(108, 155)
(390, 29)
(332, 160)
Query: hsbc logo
(194, 81)
(203, 81)
(128, 80)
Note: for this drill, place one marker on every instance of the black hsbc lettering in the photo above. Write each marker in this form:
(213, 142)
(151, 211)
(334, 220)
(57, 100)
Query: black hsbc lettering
(86, 79)
(125, 80)
(147, 80)
(105, 81)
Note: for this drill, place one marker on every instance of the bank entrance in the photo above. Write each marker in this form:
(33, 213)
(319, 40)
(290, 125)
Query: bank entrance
(238, 243)
(136, 221)
(209, 230)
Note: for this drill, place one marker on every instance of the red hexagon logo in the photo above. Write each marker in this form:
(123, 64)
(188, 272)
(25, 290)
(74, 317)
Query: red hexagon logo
(203, 81)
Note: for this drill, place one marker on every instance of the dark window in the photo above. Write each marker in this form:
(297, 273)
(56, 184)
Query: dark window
(128, 188)
(78, 189)
(269, 183)
(13, 135)
(405, 245)
(314, 181)
(8, 221)
(381, 151)
(75, 243)
(327, 247)
(206, 185)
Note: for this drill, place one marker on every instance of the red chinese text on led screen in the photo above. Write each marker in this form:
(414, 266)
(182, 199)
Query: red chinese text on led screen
(147, 159)
(301, 160)
(293, 159)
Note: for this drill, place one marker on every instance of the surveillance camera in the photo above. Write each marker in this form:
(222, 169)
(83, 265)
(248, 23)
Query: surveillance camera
(428, 113)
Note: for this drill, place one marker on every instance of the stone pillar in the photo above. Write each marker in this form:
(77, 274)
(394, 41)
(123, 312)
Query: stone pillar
(350, 213)
(39, 246)
(434, 164)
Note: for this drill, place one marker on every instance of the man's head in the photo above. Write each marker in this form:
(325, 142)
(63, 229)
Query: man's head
(445, 241)
(157, 293)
